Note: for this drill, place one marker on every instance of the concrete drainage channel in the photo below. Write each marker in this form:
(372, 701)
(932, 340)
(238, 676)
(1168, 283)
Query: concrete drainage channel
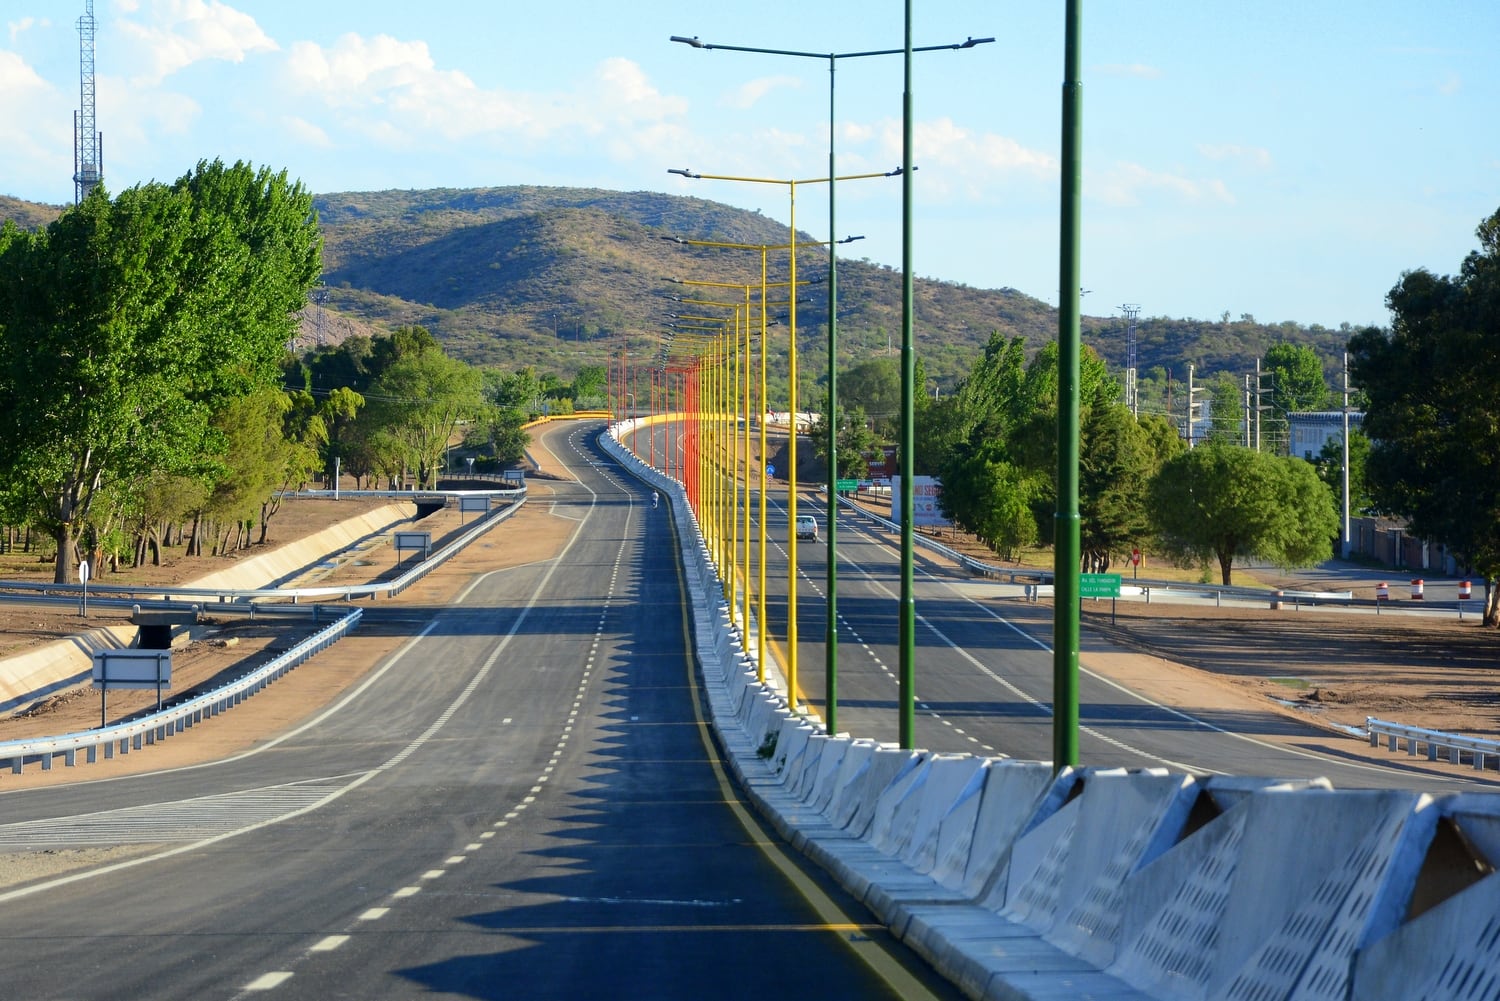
(1106, 883)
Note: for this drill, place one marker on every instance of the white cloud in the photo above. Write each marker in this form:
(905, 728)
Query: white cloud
(27, 146)
(748, 95)
(392, 92)
(1451, 84)
(1134, 71)
(26, 24)
(305, 132)
(943, 142)
(175, 34)
(1256, 156)
(1127, 184)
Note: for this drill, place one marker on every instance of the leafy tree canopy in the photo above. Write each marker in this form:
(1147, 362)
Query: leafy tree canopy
(1433, 386)
(1226, 501)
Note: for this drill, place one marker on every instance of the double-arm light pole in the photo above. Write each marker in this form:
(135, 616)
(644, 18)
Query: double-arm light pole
(831, 608)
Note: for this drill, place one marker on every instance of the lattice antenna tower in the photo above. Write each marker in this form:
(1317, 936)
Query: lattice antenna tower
(1132, 396)
(88, 145)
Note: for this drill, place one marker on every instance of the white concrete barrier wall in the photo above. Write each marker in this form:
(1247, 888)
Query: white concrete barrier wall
(1018, 883)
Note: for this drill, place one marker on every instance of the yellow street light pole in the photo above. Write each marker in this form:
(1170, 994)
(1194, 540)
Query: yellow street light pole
(792, 412)
(762, 627)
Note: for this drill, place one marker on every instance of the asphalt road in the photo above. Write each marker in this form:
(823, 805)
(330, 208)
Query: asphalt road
(984, 671)
(520, 803)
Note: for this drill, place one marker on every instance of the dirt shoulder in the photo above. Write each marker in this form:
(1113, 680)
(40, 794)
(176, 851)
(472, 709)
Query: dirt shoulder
(230, 646)
(1330, 670)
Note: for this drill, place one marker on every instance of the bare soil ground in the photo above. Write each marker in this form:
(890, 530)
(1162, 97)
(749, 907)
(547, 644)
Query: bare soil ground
(1333, 669)
(233, 645)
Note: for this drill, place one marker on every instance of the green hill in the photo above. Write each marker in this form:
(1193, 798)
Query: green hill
(561, 277)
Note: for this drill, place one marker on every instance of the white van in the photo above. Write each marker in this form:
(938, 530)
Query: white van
(807, 527)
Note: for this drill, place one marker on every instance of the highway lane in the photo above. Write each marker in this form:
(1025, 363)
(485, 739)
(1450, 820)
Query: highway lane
(519, 803)
(985, 684)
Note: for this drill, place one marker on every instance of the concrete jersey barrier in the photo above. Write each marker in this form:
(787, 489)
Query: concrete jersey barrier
(1015, 882)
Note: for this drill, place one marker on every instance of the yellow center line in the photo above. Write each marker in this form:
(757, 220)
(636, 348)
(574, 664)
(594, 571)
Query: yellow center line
(832, 917)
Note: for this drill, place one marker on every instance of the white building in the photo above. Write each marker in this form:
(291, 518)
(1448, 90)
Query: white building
(1313, 429)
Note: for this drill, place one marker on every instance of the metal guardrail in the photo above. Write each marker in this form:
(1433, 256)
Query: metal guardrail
(1455, 744)
(148, 729)
(1273, 597)
(135, 734)
(967, 562)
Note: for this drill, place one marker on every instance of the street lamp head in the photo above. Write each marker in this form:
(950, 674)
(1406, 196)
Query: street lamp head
(967, 43)
(674, 239)
(694, 42)
(849, 239)
(899, 171)
(684, 173)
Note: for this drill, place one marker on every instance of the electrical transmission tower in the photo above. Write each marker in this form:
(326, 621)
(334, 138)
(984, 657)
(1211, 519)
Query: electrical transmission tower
(88, 146)
(1132, 399)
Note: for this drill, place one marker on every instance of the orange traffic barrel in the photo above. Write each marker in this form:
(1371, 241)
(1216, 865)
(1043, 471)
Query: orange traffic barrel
(1382, 591)
(1465, 590)
(1416, 589)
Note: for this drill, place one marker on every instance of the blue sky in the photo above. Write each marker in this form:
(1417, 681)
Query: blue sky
(1280, 158)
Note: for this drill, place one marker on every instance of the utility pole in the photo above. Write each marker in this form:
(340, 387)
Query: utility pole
(1247, 410)
(88, 146)
(1192, 406)
(1346, 540)
(1132, 395)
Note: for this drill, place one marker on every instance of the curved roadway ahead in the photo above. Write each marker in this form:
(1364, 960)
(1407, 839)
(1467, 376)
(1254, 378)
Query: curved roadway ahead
(520, 803)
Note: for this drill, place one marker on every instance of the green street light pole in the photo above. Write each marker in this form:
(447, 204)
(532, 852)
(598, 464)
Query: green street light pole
(1067, 546)
(830, 623)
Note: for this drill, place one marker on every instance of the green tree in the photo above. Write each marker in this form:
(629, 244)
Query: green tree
(874, 386)
(1294, 376)
(1226, 410)
(416, 407)
(1330, 467)
(128, 323)
(991, 497)
(1225, 501)
(1115, 467)
(855, 440)
(1433, 416)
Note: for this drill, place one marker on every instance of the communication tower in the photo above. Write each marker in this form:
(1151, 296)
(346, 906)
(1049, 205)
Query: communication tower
(88, 146)
(1132, 399)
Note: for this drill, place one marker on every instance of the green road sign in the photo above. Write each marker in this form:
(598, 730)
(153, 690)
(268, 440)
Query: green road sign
(845, 485)
(1099, 585)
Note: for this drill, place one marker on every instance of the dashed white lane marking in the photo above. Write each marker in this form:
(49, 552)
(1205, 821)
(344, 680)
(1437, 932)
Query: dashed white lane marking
(268, 981)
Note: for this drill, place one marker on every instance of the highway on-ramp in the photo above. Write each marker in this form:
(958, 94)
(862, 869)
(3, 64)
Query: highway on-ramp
(521, 802)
